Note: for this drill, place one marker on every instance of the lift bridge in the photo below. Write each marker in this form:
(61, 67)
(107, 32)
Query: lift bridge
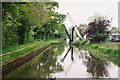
(74, 30)
(71, 39)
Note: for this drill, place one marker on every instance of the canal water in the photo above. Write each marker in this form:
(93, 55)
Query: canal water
(64, 61)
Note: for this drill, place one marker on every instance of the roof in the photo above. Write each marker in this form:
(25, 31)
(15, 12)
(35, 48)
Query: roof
(115, 34)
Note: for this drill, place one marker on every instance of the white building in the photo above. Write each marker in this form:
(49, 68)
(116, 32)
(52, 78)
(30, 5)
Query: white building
(115, 37)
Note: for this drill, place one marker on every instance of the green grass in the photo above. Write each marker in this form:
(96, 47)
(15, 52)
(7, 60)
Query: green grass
(16, 47)
(104, 47)
(106, 50)
(39, 44)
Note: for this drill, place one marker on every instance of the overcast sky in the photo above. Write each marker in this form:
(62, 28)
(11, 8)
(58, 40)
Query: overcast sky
(80, 10)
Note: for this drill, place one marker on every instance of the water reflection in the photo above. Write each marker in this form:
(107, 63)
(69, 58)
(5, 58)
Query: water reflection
(70, 48)
(96, 67)
(64, 61)
(47, 65)
(42, 66)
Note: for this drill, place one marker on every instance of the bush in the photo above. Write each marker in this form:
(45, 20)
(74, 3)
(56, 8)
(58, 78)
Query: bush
(97, 30)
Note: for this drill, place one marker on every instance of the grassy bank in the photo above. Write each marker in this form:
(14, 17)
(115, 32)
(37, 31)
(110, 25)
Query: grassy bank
(21, 50)
(103, 47)
(105, 50)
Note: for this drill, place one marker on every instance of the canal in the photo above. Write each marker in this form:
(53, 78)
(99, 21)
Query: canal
(64, 61)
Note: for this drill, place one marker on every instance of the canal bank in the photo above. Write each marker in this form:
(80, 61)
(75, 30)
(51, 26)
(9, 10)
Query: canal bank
(8, 67)
(105, 51)
(21, 50)
(15, 63)
(65, 61)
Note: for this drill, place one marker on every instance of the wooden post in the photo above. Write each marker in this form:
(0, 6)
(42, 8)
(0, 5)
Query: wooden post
(72, 54)
(73, 34)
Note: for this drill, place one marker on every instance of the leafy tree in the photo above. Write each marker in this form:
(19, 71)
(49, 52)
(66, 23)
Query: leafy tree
(82, 28)
(34, 14)
(25, 20)
(54, 28)
(97, 30)
(114, 30)
(11, 15)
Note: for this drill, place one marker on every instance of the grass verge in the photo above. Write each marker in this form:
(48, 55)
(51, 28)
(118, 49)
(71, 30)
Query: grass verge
(38, 44)
(106, 50)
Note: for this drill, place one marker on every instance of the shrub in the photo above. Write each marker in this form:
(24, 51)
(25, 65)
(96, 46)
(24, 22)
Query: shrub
(97, 30)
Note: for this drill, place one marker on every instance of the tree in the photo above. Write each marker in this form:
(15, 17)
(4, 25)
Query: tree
(10, 17)
(32, 14)
(25, 20)
(54, 28)
(97, 30)
(114, 30)
(82, 28)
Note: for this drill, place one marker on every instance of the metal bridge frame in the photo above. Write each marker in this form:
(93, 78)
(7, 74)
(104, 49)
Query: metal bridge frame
(73, 29)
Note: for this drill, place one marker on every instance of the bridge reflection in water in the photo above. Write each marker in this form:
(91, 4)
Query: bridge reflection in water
(64, 61)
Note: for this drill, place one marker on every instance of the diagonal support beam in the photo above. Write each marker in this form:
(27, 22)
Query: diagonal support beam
(68, 34)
